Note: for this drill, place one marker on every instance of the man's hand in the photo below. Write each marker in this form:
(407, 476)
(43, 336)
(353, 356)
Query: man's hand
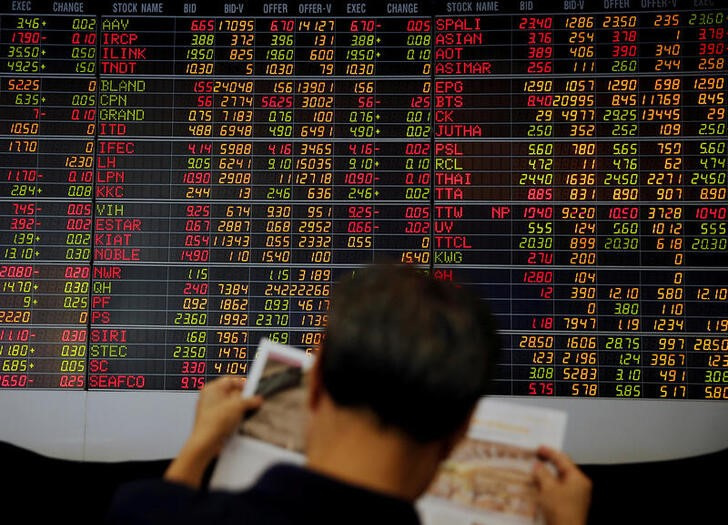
(220, 409)
(564, 495)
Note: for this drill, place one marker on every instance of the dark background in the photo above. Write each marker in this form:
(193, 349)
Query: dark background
(40, 489)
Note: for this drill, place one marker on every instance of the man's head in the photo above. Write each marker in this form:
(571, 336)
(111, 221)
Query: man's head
(414, 351)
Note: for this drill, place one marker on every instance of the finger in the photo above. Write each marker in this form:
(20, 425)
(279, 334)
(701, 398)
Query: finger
(244, 405)
(559, 459)
(253, 402)
(234, 382)
(226, 385)
(542, 474)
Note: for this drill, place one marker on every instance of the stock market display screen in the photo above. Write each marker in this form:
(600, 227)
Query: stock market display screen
(180, 179)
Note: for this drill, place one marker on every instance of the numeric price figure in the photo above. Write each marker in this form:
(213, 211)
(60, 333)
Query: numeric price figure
(25, 48)
(662, 112)
(536, 187)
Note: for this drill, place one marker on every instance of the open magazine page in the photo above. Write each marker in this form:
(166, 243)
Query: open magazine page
(275, 432)
(487, 479)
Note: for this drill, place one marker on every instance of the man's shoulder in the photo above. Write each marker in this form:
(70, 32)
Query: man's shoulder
(159, 502)
(307, 496)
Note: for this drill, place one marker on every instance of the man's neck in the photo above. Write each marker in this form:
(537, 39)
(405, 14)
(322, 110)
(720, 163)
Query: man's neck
(349, 445)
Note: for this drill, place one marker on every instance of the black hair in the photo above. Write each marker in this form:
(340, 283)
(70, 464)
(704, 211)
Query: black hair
(417, 351)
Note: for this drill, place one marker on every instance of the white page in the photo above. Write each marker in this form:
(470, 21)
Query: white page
(488, 480)
(510, 432)
(245, 458)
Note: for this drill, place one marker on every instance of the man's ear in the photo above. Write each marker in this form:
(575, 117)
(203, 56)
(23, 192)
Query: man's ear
(456, 437)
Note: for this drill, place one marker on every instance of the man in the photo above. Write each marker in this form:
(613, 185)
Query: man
(404, 360)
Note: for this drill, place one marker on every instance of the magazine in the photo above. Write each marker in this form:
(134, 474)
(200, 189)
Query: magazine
(488, 477)
(276, 431)
(486, 480)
